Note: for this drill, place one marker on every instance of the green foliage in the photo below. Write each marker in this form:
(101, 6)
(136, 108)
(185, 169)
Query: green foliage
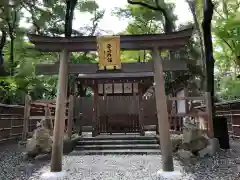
(229, 88)
(143, 21)
(226, 30)
(87, 6)
(48, 17)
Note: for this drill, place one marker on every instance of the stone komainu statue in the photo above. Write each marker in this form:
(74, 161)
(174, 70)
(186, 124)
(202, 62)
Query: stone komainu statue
(41, 141)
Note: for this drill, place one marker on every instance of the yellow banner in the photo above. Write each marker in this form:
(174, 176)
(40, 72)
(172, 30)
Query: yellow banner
(109, 52)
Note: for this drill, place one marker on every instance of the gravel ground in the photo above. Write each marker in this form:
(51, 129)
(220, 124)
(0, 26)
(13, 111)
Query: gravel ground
(224, 166)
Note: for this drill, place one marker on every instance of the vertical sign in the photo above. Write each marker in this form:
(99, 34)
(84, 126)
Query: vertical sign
(181, 104)
(109, 52)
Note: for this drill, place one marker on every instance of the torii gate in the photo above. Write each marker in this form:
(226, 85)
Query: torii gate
(154, 42)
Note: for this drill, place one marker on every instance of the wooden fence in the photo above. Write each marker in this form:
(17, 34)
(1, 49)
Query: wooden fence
(132, 106)
(43, 109)
(17, 122)
(11, 122)
(230, 110)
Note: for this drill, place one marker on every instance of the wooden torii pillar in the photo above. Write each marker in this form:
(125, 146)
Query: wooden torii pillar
(59, 123)
(162, 113)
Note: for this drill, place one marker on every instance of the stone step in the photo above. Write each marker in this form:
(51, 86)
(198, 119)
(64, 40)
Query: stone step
(118, 152)
(117, 141)
(118, 137)
(118, 146)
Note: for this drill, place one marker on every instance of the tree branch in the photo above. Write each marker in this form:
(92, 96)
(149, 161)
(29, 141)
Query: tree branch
(34, 20)
(168, 27)
(215, 9)
(225, 41)
(34, 7)
(95, 22)
(143, 4)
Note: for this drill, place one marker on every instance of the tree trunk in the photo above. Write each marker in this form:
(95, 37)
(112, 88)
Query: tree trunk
(11, 29)
(209, 60)
(12, 55)
(193, 11)
(71, 4)
(2, 44)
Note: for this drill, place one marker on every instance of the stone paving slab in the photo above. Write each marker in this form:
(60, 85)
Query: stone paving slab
(117, 137)
(119, 152)
(106, 135)
(110, 141)
(120, 146)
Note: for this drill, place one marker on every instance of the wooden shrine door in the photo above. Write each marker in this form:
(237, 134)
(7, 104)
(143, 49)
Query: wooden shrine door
(119, 114)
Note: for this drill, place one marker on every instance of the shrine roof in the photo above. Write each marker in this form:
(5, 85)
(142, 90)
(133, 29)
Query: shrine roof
(115, 75)
(127, 42)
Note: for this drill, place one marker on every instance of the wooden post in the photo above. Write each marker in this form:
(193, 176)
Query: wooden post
(162, 113)
(98, 109)
(48, 117)
(46, 111)
(157, 129)
(95, 113)
(105, 103)
(209, 114)
(140, 112)
(60, 114)
(27, 109)
(186, 101)
(70, 116)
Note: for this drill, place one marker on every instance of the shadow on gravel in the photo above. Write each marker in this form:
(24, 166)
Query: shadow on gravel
(13, 166)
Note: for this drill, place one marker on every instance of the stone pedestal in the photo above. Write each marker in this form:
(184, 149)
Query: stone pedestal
(211, 149)
(185, 154)
(214, 146)
(68, 146)
(53, 175)
(173, 175)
